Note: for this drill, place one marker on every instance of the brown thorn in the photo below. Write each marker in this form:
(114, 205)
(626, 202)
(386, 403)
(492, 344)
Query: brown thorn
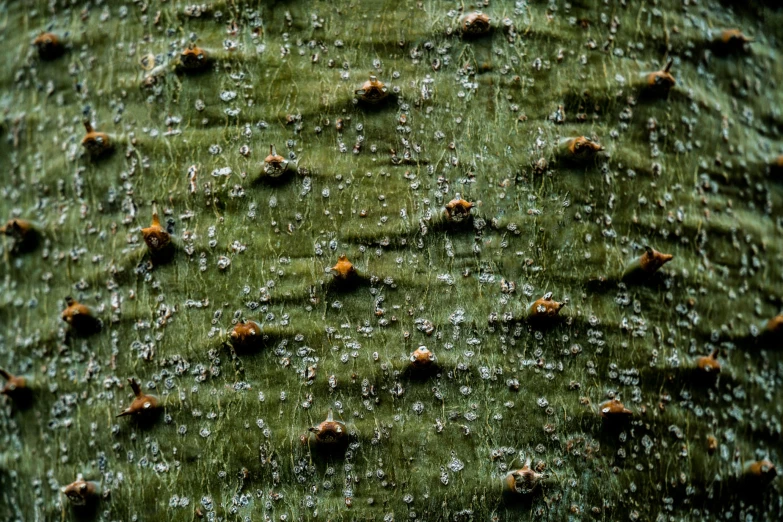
(135, 386)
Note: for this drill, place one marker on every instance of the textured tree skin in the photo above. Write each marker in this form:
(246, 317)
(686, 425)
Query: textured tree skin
(687, 173)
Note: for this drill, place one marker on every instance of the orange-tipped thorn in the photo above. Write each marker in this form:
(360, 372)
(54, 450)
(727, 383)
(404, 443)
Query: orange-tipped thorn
(330, 432)
(158, 240)
(96, 143)
(614, 410)
(545, 308)
(661, 82)
(458, 209)
(343, 270)
(373, 91)
(142, 405)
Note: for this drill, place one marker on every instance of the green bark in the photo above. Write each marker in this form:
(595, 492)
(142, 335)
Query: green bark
(482, 118)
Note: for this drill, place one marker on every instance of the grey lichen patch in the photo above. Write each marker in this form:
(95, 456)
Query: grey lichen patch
(489, 347)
